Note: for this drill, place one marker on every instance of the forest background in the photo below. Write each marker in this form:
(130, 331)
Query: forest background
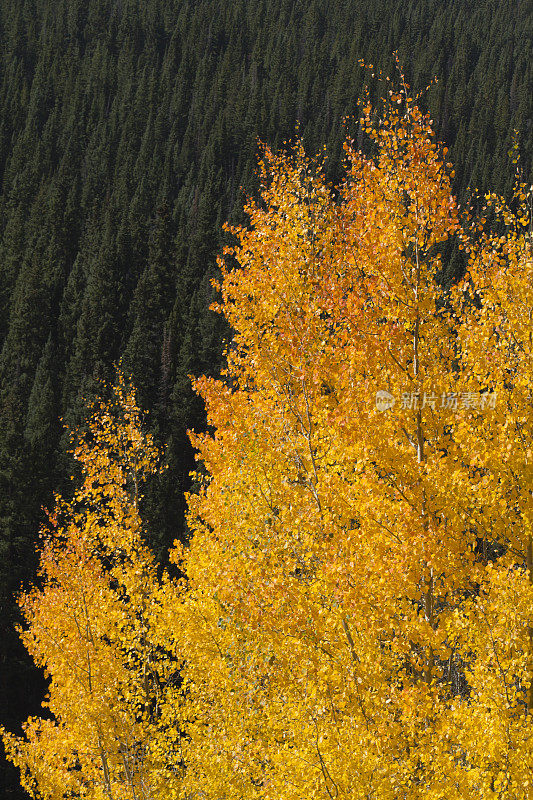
(128, 135)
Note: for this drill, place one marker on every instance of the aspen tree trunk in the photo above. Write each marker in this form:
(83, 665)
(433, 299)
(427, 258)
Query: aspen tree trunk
(107, 777)
(530, 555)
(530, 573)
(420, 454)
(127, 770)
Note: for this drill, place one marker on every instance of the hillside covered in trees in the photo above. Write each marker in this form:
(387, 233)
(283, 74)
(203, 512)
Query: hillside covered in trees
(128, 135)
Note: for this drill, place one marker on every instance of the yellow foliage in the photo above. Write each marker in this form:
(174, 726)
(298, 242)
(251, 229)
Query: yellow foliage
(94, 623)
(346, 634)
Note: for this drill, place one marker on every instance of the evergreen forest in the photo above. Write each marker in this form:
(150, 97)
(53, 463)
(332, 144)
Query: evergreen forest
(129, 134)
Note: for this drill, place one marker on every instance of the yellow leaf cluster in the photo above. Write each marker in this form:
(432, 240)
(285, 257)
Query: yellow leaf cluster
(359, 605)
(95, 623)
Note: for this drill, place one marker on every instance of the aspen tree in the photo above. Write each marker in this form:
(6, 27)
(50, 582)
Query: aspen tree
(326, 554)
(93, 624)
(348, 634)
(492, 487)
